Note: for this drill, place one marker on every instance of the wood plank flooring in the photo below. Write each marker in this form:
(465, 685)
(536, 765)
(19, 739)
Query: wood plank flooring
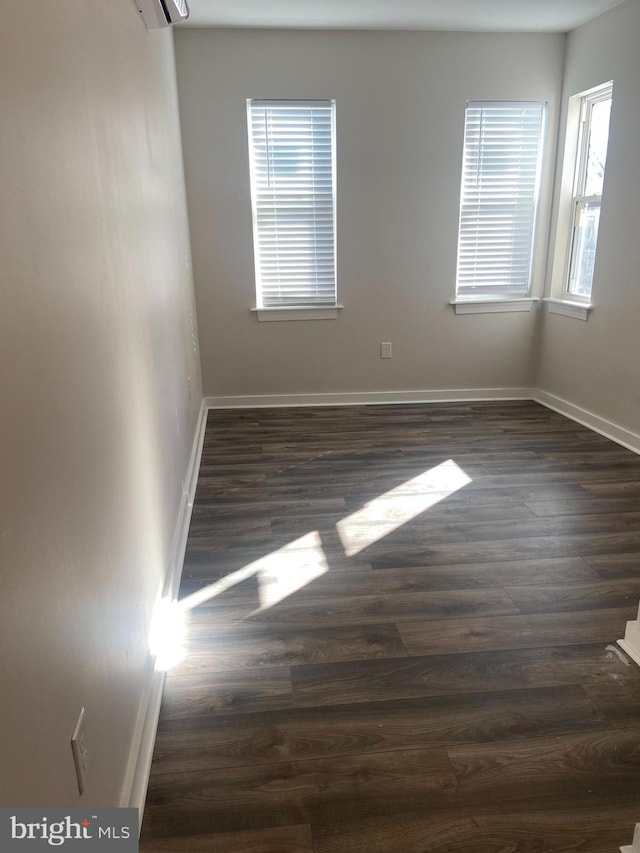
(376, 665)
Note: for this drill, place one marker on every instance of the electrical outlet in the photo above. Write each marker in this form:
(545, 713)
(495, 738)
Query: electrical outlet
(385, 350)
(80, 749)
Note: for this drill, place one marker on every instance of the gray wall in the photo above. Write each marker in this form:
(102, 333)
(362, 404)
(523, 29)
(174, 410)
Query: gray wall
(596, 364)
(96, 344)
(400, 115)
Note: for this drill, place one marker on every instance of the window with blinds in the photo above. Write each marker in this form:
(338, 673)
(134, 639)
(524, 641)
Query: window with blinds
(292, 161)
(500, 180)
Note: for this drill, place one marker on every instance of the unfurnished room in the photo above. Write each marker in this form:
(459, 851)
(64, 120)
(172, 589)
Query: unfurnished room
(320, 383)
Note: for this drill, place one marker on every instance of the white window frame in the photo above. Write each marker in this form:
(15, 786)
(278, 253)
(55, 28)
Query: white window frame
(323, 304)
(562, 300)
(498, 297)
(587, 103)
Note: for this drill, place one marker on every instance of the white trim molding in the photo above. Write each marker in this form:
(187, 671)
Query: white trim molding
(635, 845)
(310, 312)
(492, 306)
(368, 398)
(608, 429)
(631, 642)
(577, 310)
(134, 790)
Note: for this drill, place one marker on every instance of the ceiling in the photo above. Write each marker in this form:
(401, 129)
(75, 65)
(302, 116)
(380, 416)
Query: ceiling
(488, 15)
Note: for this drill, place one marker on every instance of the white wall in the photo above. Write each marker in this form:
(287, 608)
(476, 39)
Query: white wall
(596, 364)
(96, 343)
(400, 115)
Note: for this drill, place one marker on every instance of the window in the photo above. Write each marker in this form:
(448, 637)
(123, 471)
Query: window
(589, 166)
(292, 161)
(500, 180)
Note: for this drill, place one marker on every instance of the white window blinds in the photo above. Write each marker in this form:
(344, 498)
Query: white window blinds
(500, 178)
(292, 159)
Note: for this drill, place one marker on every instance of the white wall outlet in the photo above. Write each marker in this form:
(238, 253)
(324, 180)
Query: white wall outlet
(385, 350)
(80, 749)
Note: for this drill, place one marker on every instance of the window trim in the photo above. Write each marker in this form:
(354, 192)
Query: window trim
(488, 305)
(560, 300)
(494, 297)
(587, 100)
(291, 310)
(568, 308)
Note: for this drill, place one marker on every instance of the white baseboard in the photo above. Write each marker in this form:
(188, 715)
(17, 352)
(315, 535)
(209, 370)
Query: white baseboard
(368, 398)
(635, 846)
(179, 543)
(134, 790)
(608, 429)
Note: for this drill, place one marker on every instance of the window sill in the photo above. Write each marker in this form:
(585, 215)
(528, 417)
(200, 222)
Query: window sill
(492, 306)
(309, 312)
(577, 310)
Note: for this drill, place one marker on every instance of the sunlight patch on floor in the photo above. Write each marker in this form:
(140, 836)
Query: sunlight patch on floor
(283, 572)
(389, 511)
(291, 568)
(167, 634)
(279, 575)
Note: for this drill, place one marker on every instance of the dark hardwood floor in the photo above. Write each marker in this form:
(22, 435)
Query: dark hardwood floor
(402, 637)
